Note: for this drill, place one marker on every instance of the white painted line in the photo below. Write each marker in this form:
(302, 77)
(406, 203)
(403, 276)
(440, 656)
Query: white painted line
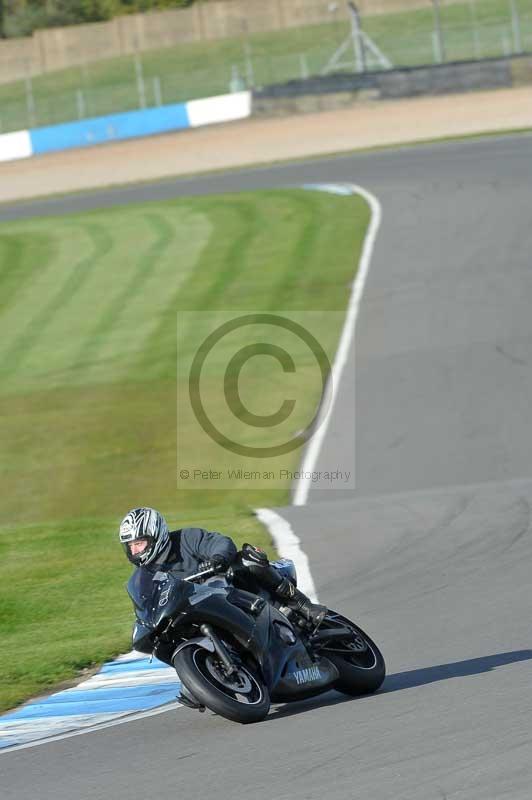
(288, 546)
(284, 538)
(312, 452)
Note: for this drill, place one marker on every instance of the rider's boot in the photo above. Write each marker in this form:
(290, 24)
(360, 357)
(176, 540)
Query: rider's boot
(185, 698)
(268, 577)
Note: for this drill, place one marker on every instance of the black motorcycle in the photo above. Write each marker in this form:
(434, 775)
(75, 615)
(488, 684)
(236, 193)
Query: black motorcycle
(236, 651)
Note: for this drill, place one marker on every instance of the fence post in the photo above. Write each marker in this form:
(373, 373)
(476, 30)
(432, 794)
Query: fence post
(30, 102)
(516, 27)
(250, 75)
(474, 28)
(436, 51)
(438, 32)
(303, 63)
(157, 91)
(141, 88)
(80, 103)
(236, 84)
(506, 44)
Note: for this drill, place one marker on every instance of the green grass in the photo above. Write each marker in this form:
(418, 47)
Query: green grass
(65, 608)
(202, 69)
(88, 307)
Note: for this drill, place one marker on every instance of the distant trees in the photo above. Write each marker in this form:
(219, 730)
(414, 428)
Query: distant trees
(22, 17)
(70, 12)
(150, 5)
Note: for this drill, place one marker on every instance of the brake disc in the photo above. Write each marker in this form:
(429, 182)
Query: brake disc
(237, 682)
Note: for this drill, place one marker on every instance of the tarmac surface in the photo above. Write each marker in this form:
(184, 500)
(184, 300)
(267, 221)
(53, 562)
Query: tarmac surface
(246, 142)
(431, 553)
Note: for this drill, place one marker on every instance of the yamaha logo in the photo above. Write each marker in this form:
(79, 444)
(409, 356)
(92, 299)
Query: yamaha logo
(307, 675)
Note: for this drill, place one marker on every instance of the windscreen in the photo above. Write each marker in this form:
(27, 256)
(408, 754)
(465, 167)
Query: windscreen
(154, 594)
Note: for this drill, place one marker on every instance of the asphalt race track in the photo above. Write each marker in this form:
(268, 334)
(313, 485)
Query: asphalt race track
(432, 553)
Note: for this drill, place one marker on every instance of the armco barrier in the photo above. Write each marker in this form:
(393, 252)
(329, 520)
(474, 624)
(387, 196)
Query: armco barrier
(344, 89)
(128, 125)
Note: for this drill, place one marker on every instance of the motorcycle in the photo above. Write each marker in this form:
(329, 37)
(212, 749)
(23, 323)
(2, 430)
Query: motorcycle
(235, 651)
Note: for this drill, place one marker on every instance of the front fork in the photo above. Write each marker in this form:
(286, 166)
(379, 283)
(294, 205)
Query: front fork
(213, 643)
(221, 651)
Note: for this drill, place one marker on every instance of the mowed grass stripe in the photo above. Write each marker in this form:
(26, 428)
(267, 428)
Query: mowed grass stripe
(302, 248)
(173, 257)
(73, 323)
(156, 360)
(114, 312)
(234, 259)
(269, 242)
(60, 345)
(222, 262)
(18, 256)
(88, 420)
(324, 276)
(51, 292)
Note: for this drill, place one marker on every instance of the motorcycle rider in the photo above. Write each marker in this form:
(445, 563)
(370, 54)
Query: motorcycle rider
(149, 543)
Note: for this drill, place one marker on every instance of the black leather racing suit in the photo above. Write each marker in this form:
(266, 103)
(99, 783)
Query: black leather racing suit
(191, 547)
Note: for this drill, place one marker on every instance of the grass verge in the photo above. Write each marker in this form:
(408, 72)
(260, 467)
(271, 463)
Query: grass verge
(88, 389)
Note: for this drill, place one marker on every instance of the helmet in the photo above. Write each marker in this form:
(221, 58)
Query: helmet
(144, 526)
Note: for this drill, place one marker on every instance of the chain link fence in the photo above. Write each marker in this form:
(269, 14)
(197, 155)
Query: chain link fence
(440, 32)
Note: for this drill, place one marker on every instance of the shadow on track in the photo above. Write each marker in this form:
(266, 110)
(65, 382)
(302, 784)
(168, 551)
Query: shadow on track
(330, 698)
(408, 680)
(456, 669)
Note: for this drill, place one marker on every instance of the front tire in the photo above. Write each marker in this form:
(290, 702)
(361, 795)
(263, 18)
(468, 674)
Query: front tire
(242, 697)
(358, 660)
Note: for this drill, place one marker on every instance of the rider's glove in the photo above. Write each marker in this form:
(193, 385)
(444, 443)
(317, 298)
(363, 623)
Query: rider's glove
(217, 563)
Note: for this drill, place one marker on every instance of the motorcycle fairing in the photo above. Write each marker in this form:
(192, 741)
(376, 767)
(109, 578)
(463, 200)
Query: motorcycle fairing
(285, 664)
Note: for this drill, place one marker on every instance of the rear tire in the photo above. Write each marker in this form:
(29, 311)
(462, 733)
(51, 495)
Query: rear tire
(361, 666)
(241, 698)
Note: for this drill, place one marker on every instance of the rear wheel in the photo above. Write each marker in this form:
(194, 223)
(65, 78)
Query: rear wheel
(357, 658)
(240, 697)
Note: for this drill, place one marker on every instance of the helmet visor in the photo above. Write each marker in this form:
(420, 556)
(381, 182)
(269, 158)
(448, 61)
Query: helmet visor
(138, 546)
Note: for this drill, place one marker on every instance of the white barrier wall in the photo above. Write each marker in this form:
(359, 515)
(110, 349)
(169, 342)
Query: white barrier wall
(15, 145)
(224, 108)
(128, 125)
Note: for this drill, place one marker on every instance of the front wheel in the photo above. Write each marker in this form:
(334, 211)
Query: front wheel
(357, 658)
(240, 697)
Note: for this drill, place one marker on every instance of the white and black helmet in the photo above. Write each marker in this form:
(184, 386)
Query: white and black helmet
(144, 525)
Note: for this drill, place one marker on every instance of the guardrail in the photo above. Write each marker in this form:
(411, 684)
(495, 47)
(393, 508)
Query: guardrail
(345, 89)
